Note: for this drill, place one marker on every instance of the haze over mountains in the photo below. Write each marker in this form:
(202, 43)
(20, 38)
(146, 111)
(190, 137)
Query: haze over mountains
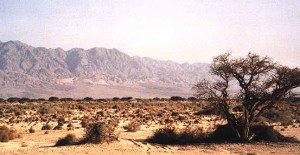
(27, 71)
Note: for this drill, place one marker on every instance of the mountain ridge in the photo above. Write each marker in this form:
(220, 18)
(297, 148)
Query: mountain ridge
(24, 67)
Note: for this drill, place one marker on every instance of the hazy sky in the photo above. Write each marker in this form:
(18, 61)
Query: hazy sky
(178, 30)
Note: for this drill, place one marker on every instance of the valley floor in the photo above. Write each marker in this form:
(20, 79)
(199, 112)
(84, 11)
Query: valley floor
(151, 114)
(130, 143)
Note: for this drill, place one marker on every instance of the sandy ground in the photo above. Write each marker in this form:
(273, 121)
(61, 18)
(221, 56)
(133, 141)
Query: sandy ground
(153, 115)
(131, 143)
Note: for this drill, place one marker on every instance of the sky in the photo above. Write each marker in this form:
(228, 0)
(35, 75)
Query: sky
(177, 30)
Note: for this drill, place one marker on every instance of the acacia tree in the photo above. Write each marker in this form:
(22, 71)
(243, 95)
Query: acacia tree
(258, 84)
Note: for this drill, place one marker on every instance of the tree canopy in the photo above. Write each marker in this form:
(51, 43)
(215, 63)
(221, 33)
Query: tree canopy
(256, 82)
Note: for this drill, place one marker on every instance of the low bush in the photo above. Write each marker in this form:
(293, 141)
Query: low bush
(13, 99)
(41, 99)
(133, 126)
(94, 133)
(44, 110)
(177, 98)
(88, 99)
(7, 134)
(192, 99)
(31, 130)
(24, 100)
(99, 133)
(115, 99)
(66, 99)
(171, 136)
(53, 99)
(126, 98)
(224, 133)
(70, 139)
(46, 127)
(61, 121)
(208, 111)
(58, 127)
(284, 117)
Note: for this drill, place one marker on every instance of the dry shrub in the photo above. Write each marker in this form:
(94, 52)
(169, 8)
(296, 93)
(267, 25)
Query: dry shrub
(268, 134)
(171, 136)
(284, 117)
(23, 144)
(70, 126)
(7, 134)
(99, 133)
(31, 130)
(70, 139)
(61, 121)
(133, 126)
(208, 111)
(46, 127)
(224, 133)
(84, 123)
(58, 127)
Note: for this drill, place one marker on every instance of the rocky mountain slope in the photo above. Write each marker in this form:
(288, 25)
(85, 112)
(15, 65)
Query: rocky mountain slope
(27, 71)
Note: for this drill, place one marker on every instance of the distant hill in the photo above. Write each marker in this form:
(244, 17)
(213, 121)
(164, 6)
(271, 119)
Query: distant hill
(27, 71)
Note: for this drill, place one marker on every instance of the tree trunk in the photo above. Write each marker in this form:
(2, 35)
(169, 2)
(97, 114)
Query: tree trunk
(245, 131)
(246, 134)
(232, 123)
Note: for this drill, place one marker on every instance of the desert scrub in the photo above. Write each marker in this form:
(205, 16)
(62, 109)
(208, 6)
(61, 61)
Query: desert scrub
(46, 127)
(31, 130)
(7, 134)
(99, 133)
(133, 126)
(170, 135)
(224, 133)
(69, 139)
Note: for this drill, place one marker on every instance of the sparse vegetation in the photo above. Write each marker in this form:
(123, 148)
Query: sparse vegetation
(224, 133)
(7, 134)
(88, 99)
(46, 127)
(53, 99)
(115, 99)
(73, 115)
(177, 98)
(13, 99)
(69, 139)
(99, 133)
(31, 130)
(126, 98)
(133, 126)
(169, 135)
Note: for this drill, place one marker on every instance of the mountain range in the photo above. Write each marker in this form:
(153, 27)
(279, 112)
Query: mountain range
(36, 72)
